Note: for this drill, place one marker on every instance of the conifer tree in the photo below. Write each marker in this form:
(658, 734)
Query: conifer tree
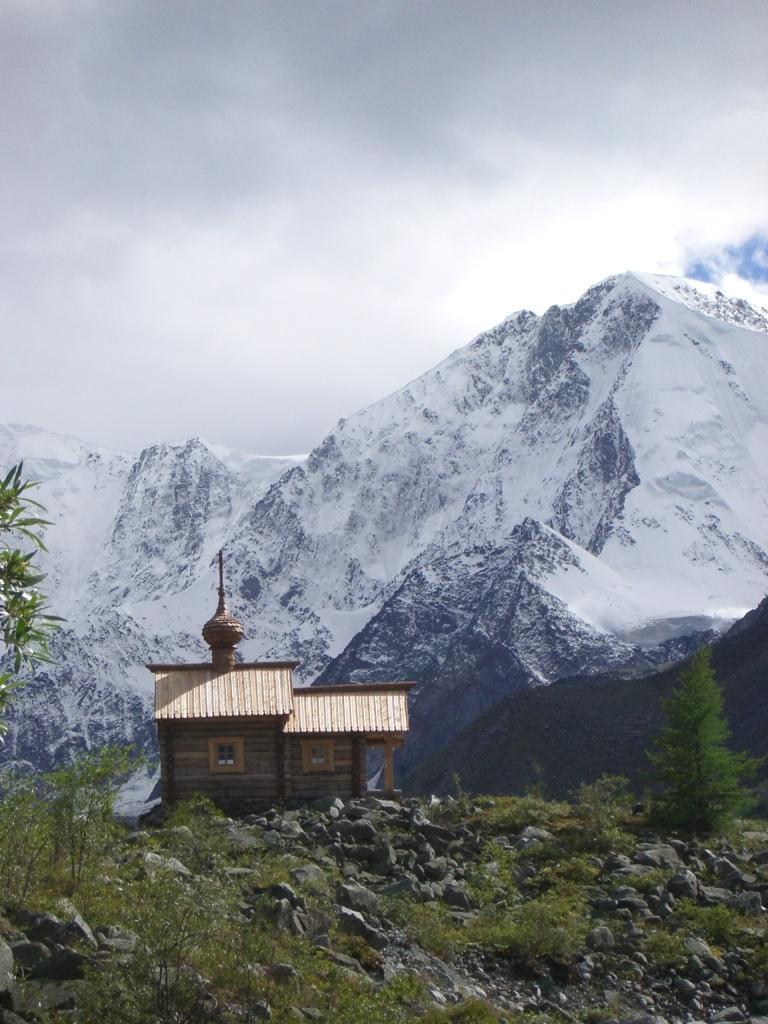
(702, 778)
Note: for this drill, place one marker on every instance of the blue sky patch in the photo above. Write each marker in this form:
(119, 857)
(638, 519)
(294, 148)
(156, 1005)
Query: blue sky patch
(749, 260)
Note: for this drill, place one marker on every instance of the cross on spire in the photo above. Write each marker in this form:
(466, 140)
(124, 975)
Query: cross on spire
(223, 632)
(222, 605)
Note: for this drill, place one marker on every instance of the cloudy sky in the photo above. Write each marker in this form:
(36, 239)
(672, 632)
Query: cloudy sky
(243, 220)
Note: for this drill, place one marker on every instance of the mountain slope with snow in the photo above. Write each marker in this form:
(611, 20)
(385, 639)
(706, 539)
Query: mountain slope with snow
(572, 492)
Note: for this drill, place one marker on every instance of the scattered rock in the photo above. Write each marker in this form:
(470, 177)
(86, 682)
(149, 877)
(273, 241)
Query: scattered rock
(155, 862)
(27, 954)
(684, 884)
(383, 861)
(361, 830)
(437, 869)
(402, 887)
(283, 972)
(307, 873)
(39, 927)
(658, 857)
(729, 1013)
(75, 928)
(9, 1017)
(39, 997)
(6, 967)
(456, 897)
(353, 922)
(357, 897)
(748, 903)
(283, 891)
(601, 939)
(62, 965)
(685, 989)
(117, 940)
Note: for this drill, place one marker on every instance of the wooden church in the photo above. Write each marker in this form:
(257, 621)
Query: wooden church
(244, 735)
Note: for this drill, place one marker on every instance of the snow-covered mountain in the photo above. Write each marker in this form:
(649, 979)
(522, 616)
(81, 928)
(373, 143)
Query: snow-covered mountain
(128, 536)
(571, 492)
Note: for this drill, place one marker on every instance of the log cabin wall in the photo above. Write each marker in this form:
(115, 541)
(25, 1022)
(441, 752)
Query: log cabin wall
(262, 779)
(166, 737)
(346, 780)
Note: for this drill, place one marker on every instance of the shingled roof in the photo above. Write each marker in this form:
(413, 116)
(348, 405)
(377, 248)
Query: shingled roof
(201, 691)
(265, 689)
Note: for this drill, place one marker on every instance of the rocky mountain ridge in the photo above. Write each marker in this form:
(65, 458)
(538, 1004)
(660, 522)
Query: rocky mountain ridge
(579, 728)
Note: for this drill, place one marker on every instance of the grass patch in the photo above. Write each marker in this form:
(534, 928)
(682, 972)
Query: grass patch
(428, 924)
(719, 925)
(664, 949)
(553, 925)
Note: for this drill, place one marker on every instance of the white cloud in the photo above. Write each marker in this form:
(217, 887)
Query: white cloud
(246, 227)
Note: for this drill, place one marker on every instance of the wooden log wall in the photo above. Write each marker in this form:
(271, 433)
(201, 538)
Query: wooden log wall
(166, 737)
(262, 778)
(272, 760)
(344, 781)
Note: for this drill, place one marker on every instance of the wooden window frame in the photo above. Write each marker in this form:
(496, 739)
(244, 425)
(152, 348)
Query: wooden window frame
(306, 756)
(238, 742)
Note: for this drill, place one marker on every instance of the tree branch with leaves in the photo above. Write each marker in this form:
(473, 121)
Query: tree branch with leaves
(25, 625)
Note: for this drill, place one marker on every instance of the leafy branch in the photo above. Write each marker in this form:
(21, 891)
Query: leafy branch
(25, 623)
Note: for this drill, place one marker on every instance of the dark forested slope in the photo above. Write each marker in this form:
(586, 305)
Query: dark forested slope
(575, 730)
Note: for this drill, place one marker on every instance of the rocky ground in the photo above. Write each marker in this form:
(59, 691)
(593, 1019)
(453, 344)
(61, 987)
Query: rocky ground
(508, 909)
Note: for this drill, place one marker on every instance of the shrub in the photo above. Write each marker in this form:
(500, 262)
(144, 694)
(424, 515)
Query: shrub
(205, 846)
(472, 1011)
(63, 819)
(182, 931)
(664, 949)
(718, 924)
(25, 840)
(601, 806)
(510, 814)
(552, 925)
(80, 800)
(429, 924)
(492, 877)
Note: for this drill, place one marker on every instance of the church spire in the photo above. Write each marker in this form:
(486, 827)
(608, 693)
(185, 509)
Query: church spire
(223, 632)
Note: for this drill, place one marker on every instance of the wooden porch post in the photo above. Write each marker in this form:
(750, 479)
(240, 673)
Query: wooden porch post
(389, 771)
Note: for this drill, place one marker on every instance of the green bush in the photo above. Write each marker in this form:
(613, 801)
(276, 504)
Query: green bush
(25, 840)
(602, 806)
(59, 823)
(428, 924)
(505, 815)
(472, 1011)
(664, 949)
(80, 799)
(182, 931)
(720, 924)
(552, 925)
(491, 878)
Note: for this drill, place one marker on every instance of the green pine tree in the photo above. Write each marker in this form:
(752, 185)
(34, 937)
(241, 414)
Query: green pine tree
(702, 778)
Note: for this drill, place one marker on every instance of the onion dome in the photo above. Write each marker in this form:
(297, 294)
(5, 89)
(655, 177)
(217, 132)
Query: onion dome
(223, 632)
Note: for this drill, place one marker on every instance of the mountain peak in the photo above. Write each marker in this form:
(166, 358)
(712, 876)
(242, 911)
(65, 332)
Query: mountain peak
(707, 298)
(565, 490)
